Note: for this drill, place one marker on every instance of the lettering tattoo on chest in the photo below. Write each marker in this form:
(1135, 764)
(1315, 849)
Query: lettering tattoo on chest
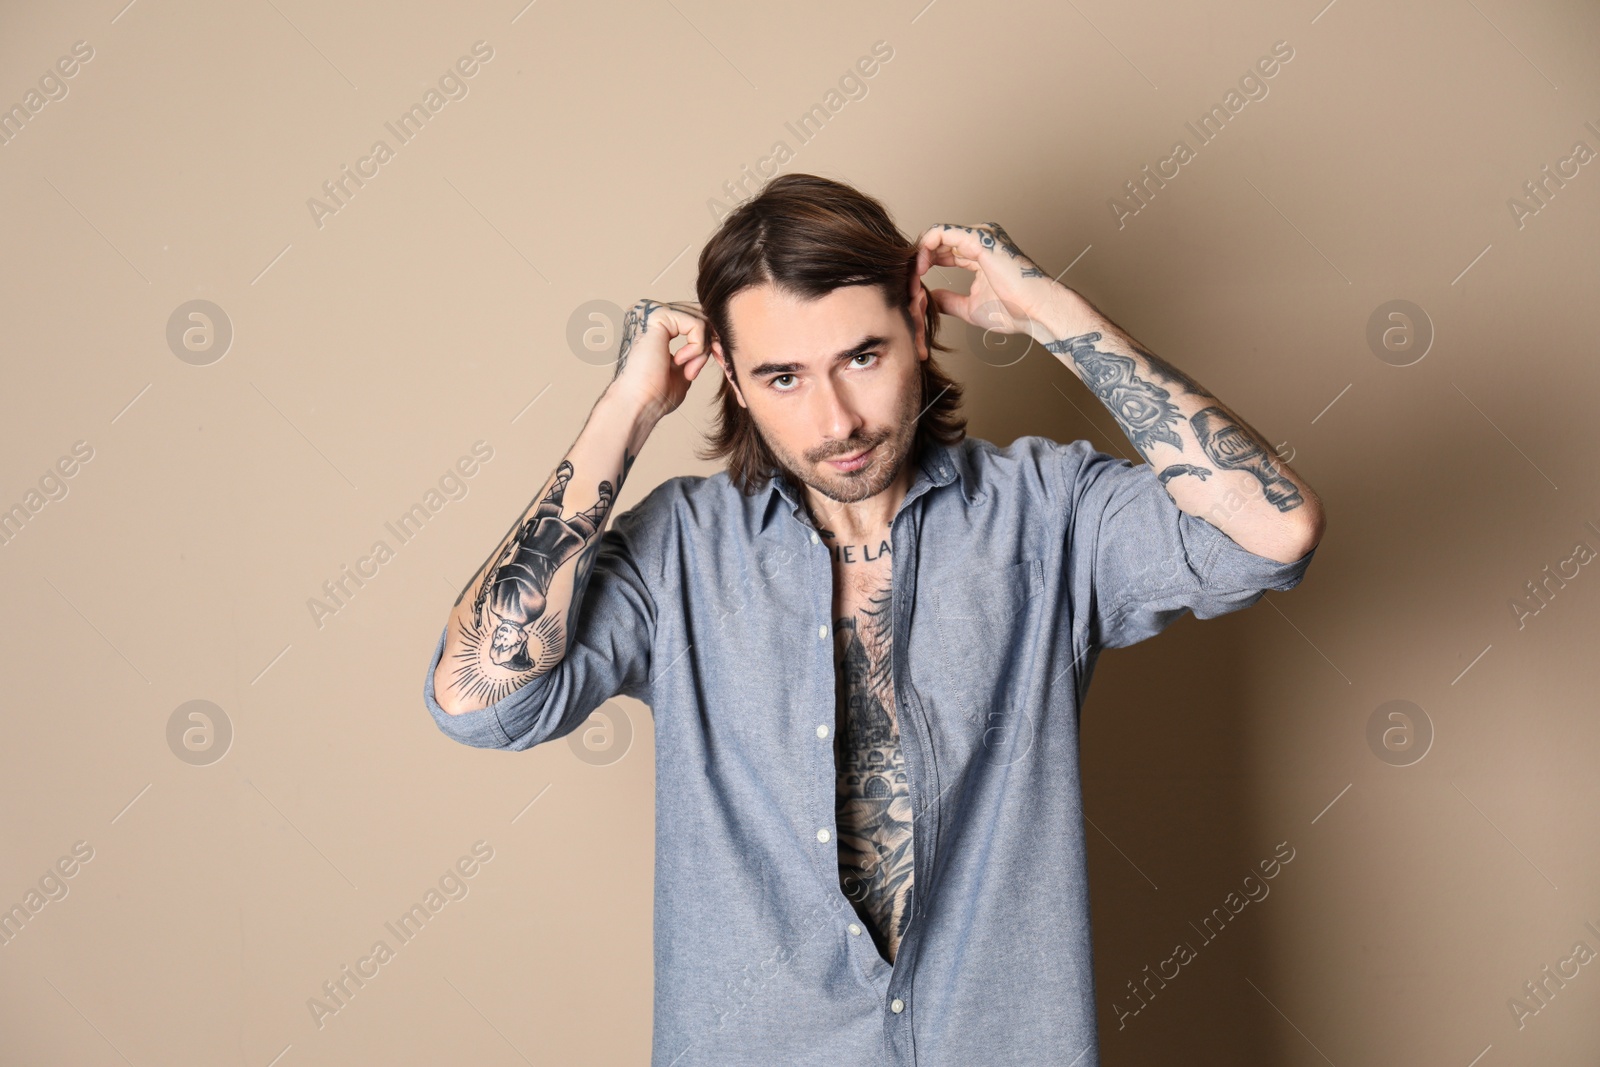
(874, 796)
(855, 553)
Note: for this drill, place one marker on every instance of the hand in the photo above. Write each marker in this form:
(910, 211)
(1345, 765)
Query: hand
(648, 372)
(1009, 291)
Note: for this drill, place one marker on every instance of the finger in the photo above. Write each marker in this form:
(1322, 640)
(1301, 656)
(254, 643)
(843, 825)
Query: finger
(682, 324)
(959, 239)
(948, 257)
(951, 254)
(687, 351)
(692, 369)
(932, 237)
(951, 303)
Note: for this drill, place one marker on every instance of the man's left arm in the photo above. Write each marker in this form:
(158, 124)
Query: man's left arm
(1210, 460)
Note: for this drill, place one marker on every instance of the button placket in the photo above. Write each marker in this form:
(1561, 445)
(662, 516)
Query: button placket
(825, 690)
(915, 739)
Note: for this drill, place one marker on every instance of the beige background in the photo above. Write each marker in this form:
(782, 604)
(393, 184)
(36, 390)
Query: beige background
(371, 352)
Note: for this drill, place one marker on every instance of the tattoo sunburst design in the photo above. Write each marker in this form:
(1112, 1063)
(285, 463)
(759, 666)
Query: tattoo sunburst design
(546, 644)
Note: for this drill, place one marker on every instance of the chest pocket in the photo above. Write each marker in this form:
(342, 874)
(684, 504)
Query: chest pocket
(982, 619)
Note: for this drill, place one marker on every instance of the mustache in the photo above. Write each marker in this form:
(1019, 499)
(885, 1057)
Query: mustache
(847, 448)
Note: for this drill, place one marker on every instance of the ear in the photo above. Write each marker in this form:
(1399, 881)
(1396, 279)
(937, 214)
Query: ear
(919, 321)
(727, 371)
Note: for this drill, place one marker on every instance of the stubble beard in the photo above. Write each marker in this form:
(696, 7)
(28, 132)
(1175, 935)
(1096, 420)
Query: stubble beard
(893, 446)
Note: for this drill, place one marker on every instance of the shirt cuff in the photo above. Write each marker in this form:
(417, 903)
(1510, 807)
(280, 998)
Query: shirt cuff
(486, 727)
(1228, 565)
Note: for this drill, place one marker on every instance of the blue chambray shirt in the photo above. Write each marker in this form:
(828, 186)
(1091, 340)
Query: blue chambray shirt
(1012, 568)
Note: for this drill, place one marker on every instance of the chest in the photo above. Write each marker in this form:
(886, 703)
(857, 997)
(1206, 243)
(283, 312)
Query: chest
(863, 602)
(862, 577)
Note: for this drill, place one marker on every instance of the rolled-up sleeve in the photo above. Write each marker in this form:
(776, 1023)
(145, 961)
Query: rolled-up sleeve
(1139, 562)
(609, 652)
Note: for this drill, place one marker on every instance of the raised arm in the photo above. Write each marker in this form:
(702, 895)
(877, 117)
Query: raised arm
(1212, 463)
(511, 623)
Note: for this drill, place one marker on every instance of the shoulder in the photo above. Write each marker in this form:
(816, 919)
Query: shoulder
(1031, 461)
(1028, 448)
(691, 503)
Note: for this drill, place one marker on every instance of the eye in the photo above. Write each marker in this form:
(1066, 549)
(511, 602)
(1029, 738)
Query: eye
(777, 382)
(870, 357)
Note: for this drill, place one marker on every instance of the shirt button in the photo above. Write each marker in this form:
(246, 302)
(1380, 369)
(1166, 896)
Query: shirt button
(822, 729)
(814, 537)
(822, 632)
(822, 834)
(855, 929)
(897, 1005)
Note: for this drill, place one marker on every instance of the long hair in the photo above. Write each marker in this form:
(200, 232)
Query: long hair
(809, 236)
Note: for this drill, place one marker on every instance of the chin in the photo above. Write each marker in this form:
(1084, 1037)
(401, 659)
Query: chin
(859, 485)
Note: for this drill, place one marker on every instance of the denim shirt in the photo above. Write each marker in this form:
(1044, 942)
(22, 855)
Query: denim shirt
(1012, 568)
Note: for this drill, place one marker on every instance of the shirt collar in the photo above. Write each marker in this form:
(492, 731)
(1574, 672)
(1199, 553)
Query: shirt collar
(938, 465)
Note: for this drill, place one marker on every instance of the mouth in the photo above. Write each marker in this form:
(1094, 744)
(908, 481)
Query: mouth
(852, 462)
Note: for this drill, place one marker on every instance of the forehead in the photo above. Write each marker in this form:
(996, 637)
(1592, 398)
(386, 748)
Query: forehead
(769, 323)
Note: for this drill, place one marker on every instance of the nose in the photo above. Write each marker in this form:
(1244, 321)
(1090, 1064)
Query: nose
(836, 417)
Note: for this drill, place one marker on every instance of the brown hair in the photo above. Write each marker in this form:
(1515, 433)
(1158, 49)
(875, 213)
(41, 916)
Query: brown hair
(809, 236)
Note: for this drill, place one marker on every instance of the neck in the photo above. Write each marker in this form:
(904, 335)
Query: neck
(859, 519)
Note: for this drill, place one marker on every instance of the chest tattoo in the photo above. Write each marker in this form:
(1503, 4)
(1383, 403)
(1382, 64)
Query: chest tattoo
(873, 797)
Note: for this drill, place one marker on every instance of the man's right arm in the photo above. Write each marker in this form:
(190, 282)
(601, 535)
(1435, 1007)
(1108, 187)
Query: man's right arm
(512, 622)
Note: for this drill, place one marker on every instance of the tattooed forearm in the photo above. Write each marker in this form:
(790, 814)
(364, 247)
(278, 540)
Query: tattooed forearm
(1232, 446)
(1143, 409)
(509, 626)
(472, 583)
(1184, 468)
(514, 622)
(633, 324)
(1160, 407)
(511, 601)
(1172, 375)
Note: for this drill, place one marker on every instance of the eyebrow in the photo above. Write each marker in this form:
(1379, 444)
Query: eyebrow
(862, 346)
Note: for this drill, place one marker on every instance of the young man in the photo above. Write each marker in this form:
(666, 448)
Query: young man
(866, 642)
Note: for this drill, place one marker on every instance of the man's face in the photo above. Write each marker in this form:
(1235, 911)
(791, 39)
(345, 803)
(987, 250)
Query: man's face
(833, 385)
